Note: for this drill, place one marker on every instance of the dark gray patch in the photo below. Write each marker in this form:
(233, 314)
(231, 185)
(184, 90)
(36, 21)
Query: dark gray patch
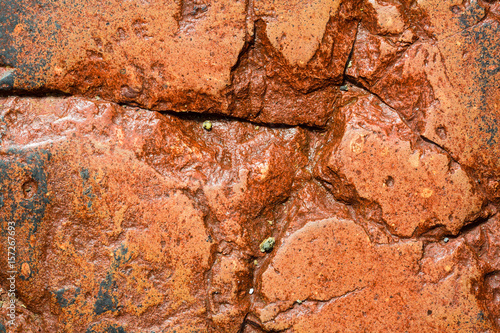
(111, 328)
(105, 299)
(471, 15)
(486, 37)
(9, 19)
(27, 210)
(63, 299)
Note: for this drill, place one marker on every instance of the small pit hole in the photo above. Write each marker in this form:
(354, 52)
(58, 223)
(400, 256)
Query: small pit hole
(456, 9)
(29, 188)
(389, 181)
(441, 132)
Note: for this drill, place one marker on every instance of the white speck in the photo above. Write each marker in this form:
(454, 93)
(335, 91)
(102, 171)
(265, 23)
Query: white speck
(250, 291)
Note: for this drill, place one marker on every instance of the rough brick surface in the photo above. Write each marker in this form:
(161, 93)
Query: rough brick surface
(250, 166)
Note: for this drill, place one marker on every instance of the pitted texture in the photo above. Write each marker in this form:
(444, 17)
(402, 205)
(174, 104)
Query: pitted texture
(251, 166)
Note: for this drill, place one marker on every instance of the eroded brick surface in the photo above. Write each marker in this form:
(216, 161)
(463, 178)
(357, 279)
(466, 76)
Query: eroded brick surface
(328, 272)
(416, 185)
(250, 166)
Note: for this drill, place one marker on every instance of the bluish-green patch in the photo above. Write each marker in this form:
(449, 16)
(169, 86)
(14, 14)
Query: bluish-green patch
(106, 301)
(87, 189)
(84, 173)
(30, 55)
(65, 298)
(486, 37)
(471, 15)
(30, 210)
(110, 328)
(9, 19)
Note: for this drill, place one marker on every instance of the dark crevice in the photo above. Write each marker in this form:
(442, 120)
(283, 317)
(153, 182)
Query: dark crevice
(246, 323)
(249, 44)
(208, 114)
(200, 117)
(474, 224)
(437, 232)
(356, 204)
(346, 66)
(491, 274)
(425, 139)
(358, 84)
(430, 235)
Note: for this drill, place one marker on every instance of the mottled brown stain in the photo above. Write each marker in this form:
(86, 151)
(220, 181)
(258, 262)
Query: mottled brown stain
(358, 137)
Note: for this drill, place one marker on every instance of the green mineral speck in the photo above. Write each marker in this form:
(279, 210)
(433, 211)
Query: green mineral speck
(267, 245)
(207, 125)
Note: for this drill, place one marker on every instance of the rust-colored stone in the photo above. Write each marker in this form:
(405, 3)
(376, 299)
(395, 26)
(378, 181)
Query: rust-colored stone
(330, 273)
(250, 166)
(416, 185)
(109, 225)
(182, 56)
(446, 90)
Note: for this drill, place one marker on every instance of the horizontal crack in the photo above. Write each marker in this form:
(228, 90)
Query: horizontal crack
(187, 115)
(200, 117)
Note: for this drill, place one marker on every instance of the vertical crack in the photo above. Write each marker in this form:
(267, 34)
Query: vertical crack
(346, 66)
